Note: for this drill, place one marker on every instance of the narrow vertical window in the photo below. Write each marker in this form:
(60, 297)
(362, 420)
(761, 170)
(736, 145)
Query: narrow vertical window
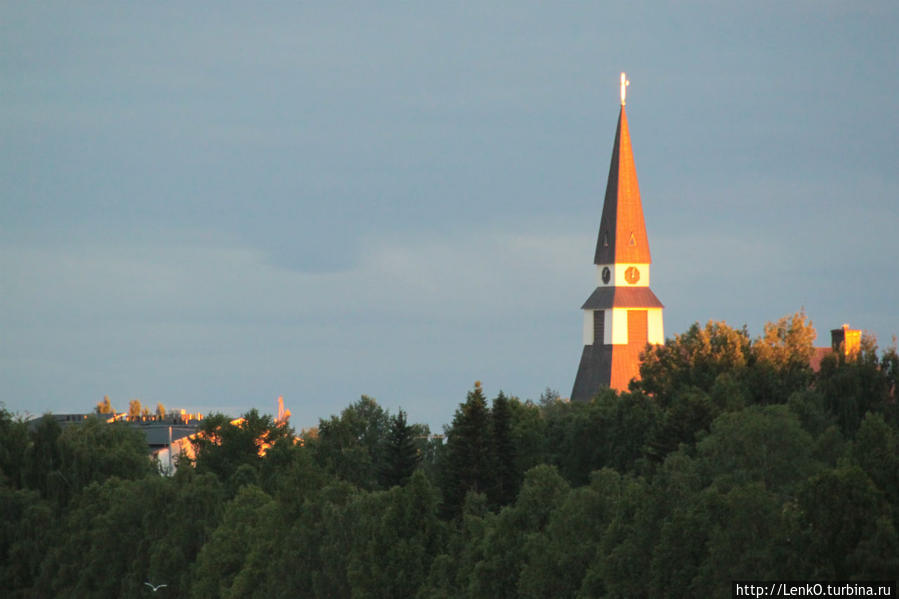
(599, 327)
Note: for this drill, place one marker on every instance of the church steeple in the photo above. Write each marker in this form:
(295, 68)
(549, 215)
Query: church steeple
(622, 314)
(622, 231)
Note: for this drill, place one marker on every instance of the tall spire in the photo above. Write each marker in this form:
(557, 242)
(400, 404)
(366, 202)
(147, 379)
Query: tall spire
(622, 231)
(622, 315)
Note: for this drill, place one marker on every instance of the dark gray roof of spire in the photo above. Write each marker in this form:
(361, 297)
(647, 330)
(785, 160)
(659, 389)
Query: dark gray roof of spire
(593, 373)
(603, 298)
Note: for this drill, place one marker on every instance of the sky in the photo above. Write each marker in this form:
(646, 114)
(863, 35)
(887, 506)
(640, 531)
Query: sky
(211, 204)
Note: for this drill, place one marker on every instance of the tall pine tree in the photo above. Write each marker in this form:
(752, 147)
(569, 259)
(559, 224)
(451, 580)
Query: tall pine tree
(506, 481)
(400, 454)
(469, 455)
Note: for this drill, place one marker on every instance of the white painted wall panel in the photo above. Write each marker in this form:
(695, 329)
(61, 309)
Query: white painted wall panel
(619, 326)
(656, 326)
(588, 327)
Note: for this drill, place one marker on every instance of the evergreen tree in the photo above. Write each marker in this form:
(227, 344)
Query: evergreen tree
(469, 458)
(13, 442)
(42, 459)
(401, 457)
(807, 487)
(506, 483)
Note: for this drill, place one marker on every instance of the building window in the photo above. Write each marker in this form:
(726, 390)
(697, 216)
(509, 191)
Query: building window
(599, 327)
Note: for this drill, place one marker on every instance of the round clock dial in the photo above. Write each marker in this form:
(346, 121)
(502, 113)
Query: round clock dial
(632, 274)
(606, 275)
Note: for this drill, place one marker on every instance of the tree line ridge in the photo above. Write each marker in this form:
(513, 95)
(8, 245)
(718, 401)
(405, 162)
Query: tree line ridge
(730, 458)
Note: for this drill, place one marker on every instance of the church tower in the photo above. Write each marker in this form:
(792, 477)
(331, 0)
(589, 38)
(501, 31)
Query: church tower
(622, 314)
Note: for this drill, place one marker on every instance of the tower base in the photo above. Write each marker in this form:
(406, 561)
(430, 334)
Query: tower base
(606, 366)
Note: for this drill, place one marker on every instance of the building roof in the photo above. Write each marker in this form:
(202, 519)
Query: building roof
(622, 230)
(593, 373)
(157, 435)
(604, 298)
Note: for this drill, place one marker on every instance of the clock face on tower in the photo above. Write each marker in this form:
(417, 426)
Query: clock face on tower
(606, 275)
(632, 274)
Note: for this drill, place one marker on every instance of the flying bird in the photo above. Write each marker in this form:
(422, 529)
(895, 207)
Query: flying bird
(155, 588)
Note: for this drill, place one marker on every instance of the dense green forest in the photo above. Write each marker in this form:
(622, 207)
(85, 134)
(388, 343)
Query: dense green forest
(730, 459)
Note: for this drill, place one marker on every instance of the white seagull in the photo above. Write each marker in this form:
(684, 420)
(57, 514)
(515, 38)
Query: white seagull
(155, 588)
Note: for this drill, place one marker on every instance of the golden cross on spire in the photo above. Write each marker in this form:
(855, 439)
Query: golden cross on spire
(624, 84)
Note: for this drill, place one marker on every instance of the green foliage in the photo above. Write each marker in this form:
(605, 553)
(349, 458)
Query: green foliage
(780, 364)
(398, 537)
(746, 536)
(839, 510)
(625, 549)
(401, 456)
(469, 454)
(558, 557)
(352, 445)
(689, 413)
(220, 568)
(758, 445)
(42, 460)
(728, 460)
(875, 450)
(145, 529)
(611, 430)
(810, 407)
(861, 383)
(233, 451)
(13, 443)
(503, 547)
(528, 433)
(506, 477)
(290, 473)
(92, 452)
(694, 360)
(716, 358)
(25, 538)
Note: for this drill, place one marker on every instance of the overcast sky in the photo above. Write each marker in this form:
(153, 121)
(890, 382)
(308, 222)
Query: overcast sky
(212, 204)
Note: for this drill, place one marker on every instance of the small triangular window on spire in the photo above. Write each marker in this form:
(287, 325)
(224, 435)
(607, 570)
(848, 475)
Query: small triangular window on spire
(632, 241)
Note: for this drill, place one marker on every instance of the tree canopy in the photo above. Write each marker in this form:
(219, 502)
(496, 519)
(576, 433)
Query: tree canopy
(730, 459)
